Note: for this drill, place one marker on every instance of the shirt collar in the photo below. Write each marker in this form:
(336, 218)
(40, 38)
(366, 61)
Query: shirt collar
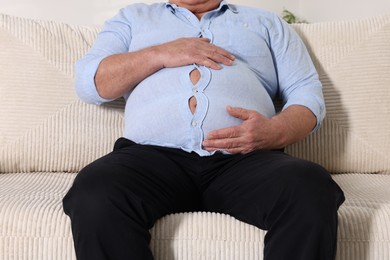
(223, 4)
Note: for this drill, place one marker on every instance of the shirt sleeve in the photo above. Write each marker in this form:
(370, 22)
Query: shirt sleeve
(114, 38)
(298, 80)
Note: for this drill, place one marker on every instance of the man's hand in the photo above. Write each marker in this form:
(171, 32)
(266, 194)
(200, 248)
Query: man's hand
(185, 51)
(258, 132)
(119, 73)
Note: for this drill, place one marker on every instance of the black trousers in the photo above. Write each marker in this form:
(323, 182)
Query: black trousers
(115, 200)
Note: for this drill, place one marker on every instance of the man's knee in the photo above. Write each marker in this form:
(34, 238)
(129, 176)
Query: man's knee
(312, 191)
(104, 191)
(87, 196)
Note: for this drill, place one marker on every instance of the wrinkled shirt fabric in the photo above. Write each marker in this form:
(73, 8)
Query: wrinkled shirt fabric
(271, 61)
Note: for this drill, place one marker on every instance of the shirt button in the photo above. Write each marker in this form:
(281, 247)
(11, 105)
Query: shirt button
(195, 91)
(194, 124)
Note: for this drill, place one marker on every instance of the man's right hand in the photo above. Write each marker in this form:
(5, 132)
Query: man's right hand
(185, 51)
(119, 73)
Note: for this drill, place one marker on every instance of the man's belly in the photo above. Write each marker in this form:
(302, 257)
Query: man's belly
(178, 107)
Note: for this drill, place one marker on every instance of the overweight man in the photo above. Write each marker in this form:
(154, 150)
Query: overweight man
(201, 132)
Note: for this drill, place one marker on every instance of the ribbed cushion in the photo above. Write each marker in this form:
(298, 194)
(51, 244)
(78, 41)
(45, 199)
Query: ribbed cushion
(44, 127)
(353, 61)
(33, 226)
(32, 223)
(364, 228)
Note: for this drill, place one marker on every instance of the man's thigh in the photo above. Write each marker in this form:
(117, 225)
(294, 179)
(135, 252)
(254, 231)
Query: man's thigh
(256, 183)
(144, 173)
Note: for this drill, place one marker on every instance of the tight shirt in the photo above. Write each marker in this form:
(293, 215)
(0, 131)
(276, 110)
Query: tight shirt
(271, 61)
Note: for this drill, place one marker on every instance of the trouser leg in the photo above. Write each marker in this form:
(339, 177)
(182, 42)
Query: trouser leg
(295, 200)
(116, 200)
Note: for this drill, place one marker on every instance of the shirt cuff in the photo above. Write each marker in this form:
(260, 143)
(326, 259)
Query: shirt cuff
(312, 103)
(85, 80)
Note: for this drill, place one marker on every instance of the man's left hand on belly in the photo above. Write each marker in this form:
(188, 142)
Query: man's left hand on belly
(256, 132)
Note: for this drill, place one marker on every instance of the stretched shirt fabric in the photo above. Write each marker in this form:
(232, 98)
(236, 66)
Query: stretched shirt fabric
(271, 61)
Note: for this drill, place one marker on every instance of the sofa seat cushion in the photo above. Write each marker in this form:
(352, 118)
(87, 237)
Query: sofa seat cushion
(364, 218)
(33, 225)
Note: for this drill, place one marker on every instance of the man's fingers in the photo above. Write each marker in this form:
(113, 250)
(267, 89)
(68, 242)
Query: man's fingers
(239, 112)
(223, 139)
(232, 146)
(207, 62)
(243, 138)
(213, 60)
(221, 144)
(214, 53)
(229, 132)
(220, 55)
(185, 51)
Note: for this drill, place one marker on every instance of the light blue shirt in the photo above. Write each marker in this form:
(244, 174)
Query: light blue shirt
(271, 61)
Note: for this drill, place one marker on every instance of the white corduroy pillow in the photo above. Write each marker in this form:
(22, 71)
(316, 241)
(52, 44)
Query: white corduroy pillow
(353, 61)
(44, 127)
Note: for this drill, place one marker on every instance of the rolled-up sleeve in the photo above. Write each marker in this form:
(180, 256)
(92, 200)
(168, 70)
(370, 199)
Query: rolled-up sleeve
(298, 79)
(114, 38)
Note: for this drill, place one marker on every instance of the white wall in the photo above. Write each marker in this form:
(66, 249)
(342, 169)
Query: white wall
(69, 11)
(97, 11)
(328, 10)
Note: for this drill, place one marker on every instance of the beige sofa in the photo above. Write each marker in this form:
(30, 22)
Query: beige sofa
(47, 135)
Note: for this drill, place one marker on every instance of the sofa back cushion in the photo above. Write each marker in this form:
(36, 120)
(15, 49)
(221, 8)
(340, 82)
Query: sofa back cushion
(44, 127)
(353, 62)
